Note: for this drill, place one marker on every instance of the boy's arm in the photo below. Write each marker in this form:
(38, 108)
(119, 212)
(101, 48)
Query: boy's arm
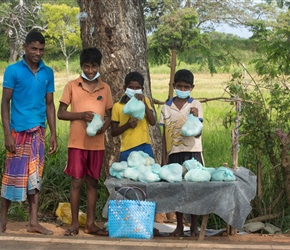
(150, 115)
(10, 144)
(195, 112)
(117, 130)
(63, 114)
(148, 111)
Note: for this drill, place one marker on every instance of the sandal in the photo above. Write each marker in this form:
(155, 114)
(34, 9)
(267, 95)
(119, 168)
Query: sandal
(100, 232)
(70, 232)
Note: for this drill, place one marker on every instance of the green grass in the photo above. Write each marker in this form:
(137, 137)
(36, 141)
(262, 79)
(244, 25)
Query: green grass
(216, 141)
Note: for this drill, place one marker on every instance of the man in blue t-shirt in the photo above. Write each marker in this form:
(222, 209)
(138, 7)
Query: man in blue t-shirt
(27, 102)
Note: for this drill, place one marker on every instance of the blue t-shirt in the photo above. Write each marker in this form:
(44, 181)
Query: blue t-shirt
(28, 104)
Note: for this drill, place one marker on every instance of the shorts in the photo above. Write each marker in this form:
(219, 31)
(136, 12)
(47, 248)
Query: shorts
(146, 148)
(183, 156)
(84, 162)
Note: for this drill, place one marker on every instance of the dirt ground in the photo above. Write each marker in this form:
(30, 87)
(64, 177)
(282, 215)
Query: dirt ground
(19, 228)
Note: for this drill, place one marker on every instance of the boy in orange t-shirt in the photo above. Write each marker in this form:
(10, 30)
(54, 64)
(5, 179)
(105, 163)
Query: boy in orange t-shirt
(87, 95)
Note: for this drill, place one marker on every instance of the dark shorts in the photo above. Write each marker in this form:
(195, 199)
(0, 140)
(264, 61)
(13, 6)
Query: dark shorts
(183, 156)
(146, 148)
(84, 162)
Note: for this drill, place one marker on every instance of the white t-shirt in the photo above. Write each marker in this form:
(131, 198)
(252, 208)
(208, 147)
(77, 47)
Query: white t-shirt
(172, 119)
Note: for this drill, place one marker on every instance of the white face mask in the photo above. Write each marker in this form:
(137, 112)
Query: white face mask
(131, 92)
(90, 80)
(182, 94)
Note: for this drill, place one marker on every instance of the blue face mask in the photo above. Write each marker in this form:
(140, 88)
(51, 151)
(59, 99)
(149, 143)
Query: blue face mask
(131, 92)
(90, 80)
(182, 94)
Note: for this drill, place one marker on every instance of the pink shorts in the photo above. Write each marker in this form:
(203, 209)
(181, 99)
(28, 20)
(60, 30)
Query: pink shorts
(84, 162)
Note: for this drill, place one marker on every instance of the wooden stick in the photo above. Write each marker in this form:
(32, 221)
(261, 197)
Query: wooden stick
(203, 227)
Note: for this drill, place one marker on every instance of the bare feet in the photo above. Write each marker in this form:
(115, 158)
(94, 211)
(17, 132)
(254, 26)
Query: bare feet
(194, 231)
(39, 229)
(93, 229)
(178, 232)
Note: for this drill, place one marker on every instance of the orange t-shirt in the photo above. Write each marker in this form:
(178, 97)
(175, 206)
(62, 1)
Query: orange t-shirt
(81, 99)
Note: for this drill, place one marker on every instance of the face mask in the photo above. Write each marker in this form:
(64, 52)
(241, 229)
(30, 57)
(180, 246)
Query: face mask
(90, 80)
(182, 94)
(131, 92)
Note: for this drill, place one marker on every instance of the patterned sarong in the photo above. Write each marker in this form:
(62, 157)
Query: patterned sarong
(23, 170)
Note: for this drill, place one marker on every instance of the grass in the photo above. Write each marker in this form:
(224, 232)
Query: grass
(216, 139)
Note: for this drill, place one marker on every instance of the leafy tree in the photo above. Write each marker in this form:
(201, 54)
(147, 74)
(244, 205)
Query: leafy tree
(219, 51)
(168, 18)
(17, 18)
(62, 30)
(155, 9)
(4, 52)
(176, 31)
(210, 13)
(71, 3)
(280, 3)
(265, 137)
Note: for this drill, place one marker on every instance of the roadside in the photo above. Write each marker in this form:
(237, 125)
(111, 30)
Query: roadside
(16, 237)
(48, 243)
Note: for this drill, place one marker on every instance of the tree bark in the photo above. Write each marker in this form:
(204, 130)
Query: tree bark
(117, 29)
(13, 51)
(172, 73)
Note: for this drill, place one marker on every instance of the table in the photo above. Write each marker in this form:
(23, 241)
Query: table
(229, 200)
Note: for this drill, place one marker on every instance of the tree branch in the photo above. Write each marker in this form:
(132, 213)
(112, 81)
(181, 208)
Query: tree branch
(204, 100)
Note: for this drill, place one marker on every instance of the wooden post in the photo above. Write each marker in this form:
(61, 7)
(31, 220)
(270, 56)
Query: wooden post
(203, 227)
(170, 216)
(235, 144)
(235, 137)
(172, 72)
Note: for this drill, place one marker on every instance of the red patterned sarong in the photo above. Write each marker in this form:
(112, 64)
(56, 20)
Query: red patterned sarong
(23, 170)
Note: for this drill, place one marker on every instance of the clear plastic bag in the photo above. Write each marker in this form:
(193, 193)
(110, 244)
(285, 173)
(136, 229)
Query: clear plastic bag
(134, 108)
(197, 175)
(223, 174)
(94, 125)
(192, 126)
(117, 169)
(171, 172)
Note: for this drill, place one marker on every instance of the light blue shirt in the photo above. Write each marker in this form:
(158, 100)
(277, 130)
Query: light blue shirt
(28, 104)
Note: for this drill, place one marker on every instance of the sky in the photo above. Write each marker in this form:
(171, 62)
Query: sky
(241, 32)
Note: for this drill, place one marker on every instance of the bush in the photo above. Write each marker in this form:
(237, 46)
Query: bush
(3, 66)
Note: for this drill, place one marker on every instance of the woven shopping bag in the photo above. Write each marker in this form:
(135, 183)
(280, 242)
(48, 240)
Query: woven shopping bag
(131, 218)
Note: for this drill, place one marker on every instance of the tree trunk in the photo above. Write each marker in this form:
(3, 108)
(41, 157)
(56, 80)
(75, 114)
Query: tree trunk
(116, 27)
(67, 67)
(13, 51)
(172, 73)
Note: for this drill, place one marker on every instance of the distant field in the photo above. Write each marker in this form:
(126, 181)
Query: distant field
(216, 138)
(206, 85)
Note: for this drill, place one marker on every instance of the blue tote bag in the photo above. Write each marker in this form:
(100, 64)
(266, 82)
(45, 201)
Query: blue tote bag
(131, 218)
